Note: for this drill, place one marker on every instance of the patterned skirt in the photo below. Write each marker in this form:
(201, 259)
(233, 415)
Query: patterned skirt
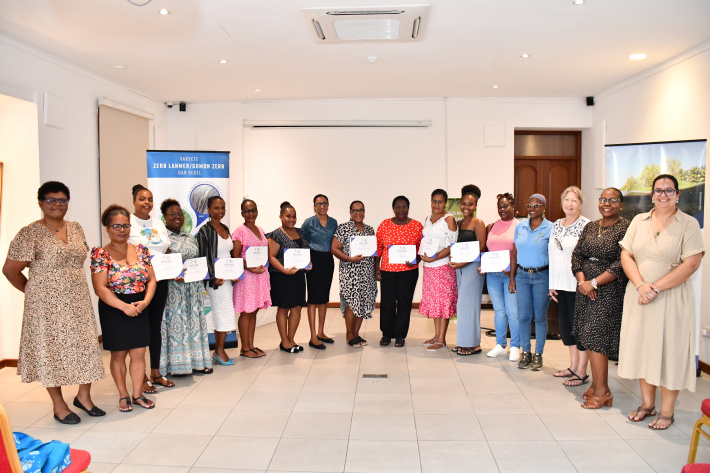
(439, 293)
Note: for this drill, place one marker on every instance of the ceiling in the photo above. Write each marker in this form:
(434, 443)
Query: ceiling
(467, 47)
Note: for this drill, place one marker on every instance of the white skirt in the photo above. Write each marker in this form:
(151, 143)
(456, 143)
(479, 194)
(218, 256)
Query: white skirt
(223, 315)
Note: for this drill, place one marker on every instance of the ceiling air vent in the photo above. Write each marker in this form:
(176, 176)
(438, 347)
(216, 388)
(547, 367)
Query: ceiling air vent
(399, 24)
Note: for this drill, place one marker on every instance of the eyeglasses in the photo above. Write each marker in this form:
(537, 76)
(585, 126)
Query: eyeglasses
(322, 204)
(251, 211)
(54, 200)
(670, 192)
(118, 226)
(357, 211)
(174, 214)
(437, 202)
(534, 206)
(613, 200)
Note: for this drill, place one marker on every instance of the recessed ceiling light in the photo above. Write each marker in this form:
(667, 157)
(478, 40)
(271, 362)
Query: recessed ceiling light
(637, 56)
(118, 66)
(525, 55)
(223, 61)
(495, 86)
(163, 11)
(257, 90)
(578, 2)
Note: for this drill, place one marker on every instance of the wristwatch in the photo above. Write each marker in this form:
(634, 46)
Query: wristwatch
(594, 283)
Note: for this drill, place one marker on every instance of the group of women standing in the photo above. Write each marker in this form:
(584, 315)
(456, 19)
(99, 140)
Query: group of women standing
(596, 271)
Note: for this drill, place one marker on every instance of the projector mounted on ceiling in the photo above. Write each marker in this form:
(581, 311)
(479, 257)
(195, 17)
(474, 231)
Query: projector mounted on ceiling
(388, 24)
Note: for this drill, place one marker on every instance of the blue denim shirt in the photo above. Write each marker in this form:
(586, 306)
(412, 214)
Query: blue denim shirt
(532, 245)
(319, 238)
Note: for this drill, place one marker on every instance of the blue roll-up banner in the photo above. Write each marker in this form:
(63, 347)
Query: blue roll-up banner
(190, 177)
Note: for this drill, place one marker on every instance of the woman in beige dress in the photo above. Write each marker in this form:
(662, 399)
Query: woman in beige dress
(661, 250)
(59, 345)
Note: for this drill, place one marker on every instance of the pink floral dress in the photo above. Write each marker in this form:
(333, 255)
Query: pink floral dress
(253, 292)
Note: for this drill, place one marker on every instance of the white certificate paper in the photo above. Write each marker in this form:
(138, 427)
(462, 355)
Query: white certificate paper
(429, 246)
(229, 268)
(401, 254)
(299, 258)
(495, 261)
(167, 266)
(257, 256)
(196, 269)
(363, 245)
(465, 252)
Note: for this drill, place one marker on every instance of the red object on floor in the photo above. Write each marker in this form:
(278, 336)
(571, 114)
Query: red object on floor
(696, 468)
(80, 460)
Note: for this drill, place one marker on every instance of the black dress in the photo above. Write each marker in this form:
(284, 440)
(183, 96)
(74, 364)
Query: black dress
(287, 291)
(597, 324)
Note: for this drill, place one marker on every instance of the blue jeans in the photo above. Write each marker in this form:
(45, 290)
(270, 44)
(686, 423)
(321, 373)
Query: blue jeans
(533, 301)
(505, 306)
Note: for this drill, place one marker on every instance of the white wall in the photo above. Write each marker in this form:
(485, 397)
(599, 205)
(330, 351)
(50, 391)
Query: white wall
(450, 153)
(68, 149)
(668, 103)
(19, 153)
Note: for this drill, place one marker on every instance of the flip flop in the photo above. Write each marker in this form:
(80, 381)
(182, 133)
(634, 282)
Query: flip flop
(576, 380)
(646, 412)
(653, 425)
(558, 375)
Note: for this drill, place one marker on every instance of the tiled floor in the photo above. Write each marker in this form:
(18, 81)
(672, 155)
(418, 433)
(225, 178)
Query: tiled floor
(314, 412)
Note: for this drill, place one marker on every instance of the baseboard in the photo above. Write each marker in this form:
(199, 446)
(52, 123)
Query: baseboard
(8, 363)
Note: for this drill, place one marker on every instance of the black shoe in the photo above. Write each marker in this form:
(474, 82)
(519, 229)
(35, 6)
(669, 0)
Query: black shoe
(326, 340)
(385, 341)
(94, 412)
(317, 347)
(293, 349)
(399, 342)
(70, 419)
(300, 348)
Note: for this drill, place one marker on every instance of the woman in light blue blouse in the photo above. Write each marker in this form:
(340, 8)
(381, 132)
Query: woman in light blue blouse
(532, 280)
(319, 229)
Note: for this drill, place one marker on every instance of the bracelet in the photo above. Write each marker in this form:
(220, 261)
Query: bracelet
(641, 284)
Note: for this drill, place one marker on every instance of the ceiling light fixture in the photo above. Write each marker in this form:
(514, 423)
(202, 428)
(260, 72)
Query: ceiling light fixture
(495, 86)
(257, 90)
(525, 55)
(578, 2)
(118, 66)
(637, 56)
(223, 61)
(163, 11)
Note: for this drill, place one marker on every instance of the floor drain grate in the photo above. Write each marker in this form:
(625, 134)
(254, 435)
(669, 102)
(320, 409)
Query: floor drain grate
(371, 375)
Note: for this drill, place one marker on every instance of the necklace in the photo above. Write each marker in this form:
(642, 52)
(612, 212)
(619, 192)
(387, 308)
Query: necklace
(56, 230)
(123, 254)
(665, 224)
(606, 229)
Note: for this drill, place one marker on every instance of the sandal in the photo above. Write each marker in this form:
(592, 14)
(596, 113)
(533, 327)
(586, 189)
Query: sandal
(588, 393)
(163, 381)
(571, 373)
(436, 346)
(204, 371)
(596, 402)
(646, 412)
(128, 408)
(355, 342)
(259, 350)
(455, 349)
(150, 389)
(654, 425)
(575, 380)
(431, 341)
(256, 355)
(144, 402)
(463, 351)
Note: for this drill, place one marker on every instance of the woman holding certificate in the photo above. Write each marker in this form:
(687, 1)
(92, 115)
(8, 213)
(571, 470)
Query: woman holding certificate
(661, 251)
(468, 280)
(500, 236)
(185, 347)
(319, 229)
(439, 292)
(214, 242)
(532, 237)
(152, 234)
(397, 269)
(252, 293)
(563, 285)
(288, 282)
(123, 279)
(596, 265)
(358, 286)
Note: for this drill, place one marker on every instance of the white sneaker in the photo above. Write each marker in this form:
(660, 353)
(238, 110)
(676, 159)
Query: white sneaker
(497, 350)
(514, 354)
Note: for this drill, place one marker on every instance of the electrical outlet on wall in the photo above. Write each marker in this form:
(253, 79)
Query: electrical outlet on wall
(705, 332)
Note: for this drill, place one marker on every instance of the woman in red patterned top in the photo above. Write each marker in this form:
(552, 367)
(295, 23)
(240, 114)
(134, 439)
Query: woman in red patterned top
(397, 281)
(123, 279)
